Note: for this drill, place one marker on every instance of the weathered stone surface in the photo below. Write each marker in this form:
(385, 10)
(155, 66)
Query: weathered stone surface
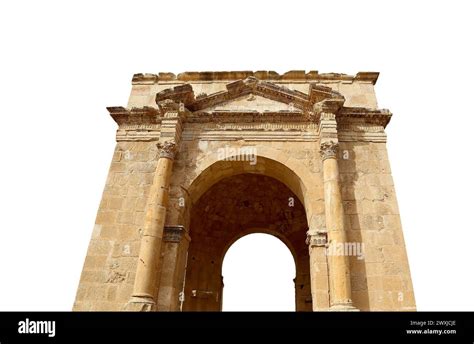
(239, 152)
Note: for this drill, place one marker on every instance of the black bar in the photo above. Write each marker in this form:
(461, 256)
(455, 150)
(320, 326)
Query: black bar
(453, 327)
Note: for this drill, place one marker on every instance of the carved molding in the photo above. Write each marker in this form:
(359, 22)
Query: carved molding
(328, 126)
(295, 75)
(184, 94)
(254, 126)
(328, 150)
(255, 131)
(145, 115)
(246, 117)
(251, 136)
(138, 132)
(322, 105)
(145, 124)
(373, 116)
(327, 116)
(357, 129)
(149, 115)
(329, 105)
(167, 149)
(179, 94)
(252, 131)
(174, 234)
(168, 105)
(316, 239)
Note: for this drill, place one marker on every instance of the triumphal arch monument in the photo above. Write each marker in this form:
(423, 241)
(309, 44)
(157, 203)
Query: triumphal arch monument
(204, 158)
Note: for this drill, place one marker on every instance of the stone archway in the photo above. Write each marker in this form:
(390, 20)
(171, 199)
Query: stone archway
(259, 282)
(320, 135)
(231, 208)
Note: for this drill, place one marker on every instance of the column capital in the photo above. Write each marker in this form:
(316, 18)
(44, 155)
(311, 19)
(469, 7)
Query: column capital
(328, 149)
(174, 234)
(167, 149)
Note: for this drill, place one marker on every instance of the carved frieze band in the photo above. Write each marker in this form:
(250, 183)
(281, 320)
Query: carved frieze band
(257, 133)
(253, 131)
(291, 76)
(321, 106)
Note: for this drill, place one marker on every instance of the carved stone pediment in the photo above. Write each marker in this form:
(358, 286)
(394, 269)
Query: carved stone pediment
(271, 97)
(256, 101)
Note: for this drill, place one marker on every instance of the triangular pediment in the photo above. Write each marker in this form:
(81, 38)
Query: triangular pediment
(250, 94)
(251, 102)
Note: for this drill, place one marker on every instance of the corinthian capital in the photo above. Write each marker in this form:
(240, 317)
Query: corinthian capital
(167, 149)
(328, 150)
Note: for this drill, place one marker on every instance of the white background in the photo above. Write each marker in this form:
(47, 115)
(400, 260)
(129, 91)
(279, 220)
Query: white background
(62, 63)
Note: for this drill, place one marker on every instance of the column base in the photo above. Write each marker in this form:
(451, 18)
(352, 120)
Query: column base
(343, 307)
(140, 304)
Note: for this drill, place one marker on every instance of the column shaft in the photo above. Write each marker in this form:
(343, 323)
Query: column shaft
(338, 263)
(146, 277)
(175, 248)
(317, 241)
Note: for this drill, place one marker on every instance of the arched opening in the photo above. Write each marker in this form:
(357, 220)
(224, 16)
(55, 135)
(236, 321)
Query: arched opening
(229, 209)
(258, 274)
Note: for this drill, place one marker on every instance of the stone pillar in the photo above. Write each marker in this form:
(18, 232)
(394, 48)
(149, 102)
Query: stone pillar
(318, 268)
(146, 277)
(175, 241)
(338, 261)
(339, 268)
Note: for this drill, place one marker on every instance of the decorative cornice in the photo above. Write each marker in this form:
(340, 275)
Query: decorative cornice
(246, 117)
(327, 116)
(168, 105)
(373, 116)
(319, 93)
(353, 124)
(167, 149)
(303, 102)
(179, 105)
(367, 76)
(145, 115)
(179, 94)
(328, 150)
(330, 105)
(138, 132)
(295, 75)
